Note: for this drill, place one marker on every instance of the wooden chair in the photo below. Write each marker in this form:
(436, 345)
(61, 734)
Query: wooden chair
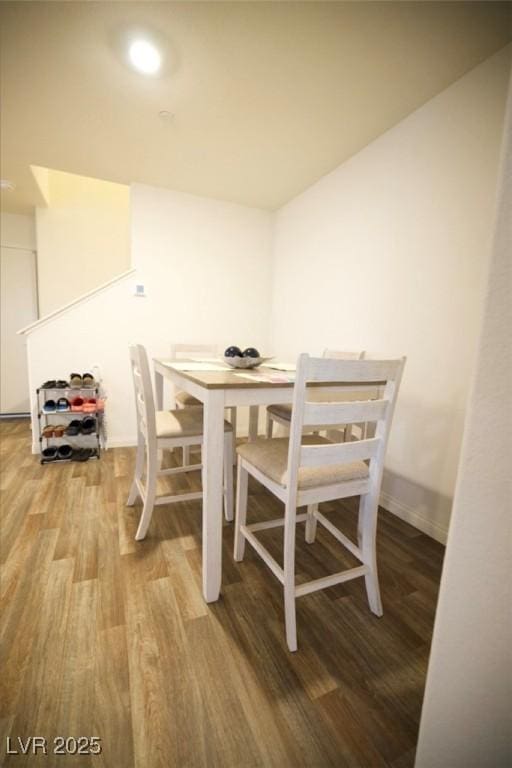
(183, 399)
(166, 429)
(305, 470)
(282, 413)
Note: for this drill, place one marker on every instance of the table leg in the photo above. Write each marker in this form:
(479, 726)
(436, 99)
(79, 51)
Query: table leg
(254, 412)
(159, 391)
(213, 457)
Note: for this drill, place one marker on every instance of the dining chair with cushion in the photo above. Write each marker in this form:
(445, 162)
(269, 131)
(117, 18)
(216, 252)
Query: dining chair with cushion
(305, 470)
(157, 430)
(183, 399)
(282, 413)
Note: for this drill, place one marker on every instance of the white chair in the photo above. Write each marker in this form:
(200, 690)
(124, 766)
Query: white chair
(282, 413)
(166, 429)
(305, 470)
(183, 399)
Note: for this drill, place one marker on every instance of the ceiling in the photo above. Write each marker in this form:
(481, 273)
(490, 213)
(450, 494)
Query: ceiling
(265, 97)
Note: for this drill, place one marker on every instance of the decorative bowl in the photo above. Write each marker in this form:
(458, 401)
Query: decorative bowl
(245, 362)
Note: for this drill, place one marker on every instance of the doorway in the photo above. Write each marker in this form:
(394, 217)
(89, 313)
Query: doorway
(18, 308)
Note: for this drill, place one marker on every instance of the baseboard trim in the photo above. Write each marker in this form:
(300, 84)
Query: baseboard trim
(414, 518)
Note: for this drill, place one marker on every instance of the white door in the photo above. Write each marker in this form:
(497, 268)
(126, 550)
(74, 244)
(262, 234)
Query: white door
(18, 308)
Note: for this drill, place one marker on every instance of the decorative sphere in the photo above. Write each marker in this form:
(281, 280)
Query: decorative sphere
(233, 352)
(251, 352)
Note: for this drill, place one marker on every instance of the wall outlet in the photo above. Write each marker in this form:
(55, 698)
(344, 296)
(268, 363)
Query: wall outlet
(139, 290)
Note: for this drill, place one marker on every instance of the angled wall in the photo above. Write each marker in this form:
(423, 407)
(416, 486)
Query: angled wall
(389, 253)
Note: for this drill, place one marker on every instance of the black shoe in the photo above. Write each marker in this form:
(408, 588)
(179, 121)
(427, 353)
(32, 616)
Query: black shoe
(88, 425)
(50, 384)
(48, 454)
(73, 428)
(83, 454)
(61, 384)
(64, 452)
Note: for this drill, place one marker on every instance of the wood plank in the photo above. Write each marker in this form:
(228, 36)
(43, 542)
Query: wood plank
(102, 635)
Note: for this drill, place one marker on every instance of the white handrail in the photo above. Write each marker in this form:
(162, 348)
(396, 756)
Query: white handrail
(78, 300)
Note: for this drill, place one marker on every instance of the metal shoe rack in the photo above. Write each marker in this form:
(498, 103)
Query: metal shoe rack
(44, 419)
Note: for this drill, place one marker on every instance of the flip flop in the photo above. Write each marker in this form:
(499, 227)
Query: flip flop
(88, 380)
(75, 380)
(63, 404)
(77, 404)
(50, 406)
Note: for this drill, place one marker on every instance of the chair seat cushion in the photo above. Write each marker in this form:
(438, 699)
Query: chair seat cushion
(271, 458)
(281, 411)
(183, 422)
(185, 398)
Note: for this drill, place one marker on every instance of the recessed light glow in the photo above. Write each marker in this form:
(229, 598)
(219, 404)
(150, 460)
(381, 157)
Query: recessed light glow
(145, 57)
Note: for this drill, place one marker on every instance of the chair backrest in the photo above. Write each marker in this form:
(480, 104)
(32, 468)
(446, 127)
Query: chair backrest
(337, 354)
(144, 400)
(179, 351)
(309, 413)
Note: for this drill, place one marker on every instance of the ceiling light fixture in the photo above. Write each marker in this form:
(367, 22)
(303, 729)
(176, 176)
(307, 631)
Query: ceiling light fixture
(6, 184)
(145, 57)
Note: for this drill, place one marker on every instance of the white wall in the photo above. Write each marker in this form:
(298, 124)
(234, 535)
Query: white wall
(467, 715)
(82, 237)
(206, 269)
(17, 231)
(389, 253)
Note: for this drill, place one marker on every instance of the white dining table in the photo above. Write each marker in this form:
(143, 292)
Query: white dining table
(218, 389)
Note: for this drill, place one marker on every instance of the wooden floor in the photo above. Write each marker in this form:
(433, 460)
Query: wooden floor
(103, 636)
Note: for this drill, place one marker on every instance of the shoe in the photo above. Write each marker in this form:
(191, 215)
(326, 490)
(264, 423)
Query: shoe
(50, 406)
(88, 380)
(59, 430)
(48, 454)
(82, 454)
(63, 404)
(50, 384)
(75, 380)
(77, 404)
(64, 452)
(90, 405)
(48, 430)
(74, 428)
(88, 426)
(61, 384)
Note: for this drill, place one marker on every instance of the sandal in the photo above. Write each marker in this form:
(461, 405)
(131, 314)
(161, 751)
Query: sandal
(75, 380)
(48, 430)
(48, 454)
(88, 380)
(59, 430)
(50, 406)
(63, 404)
(77, 404)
